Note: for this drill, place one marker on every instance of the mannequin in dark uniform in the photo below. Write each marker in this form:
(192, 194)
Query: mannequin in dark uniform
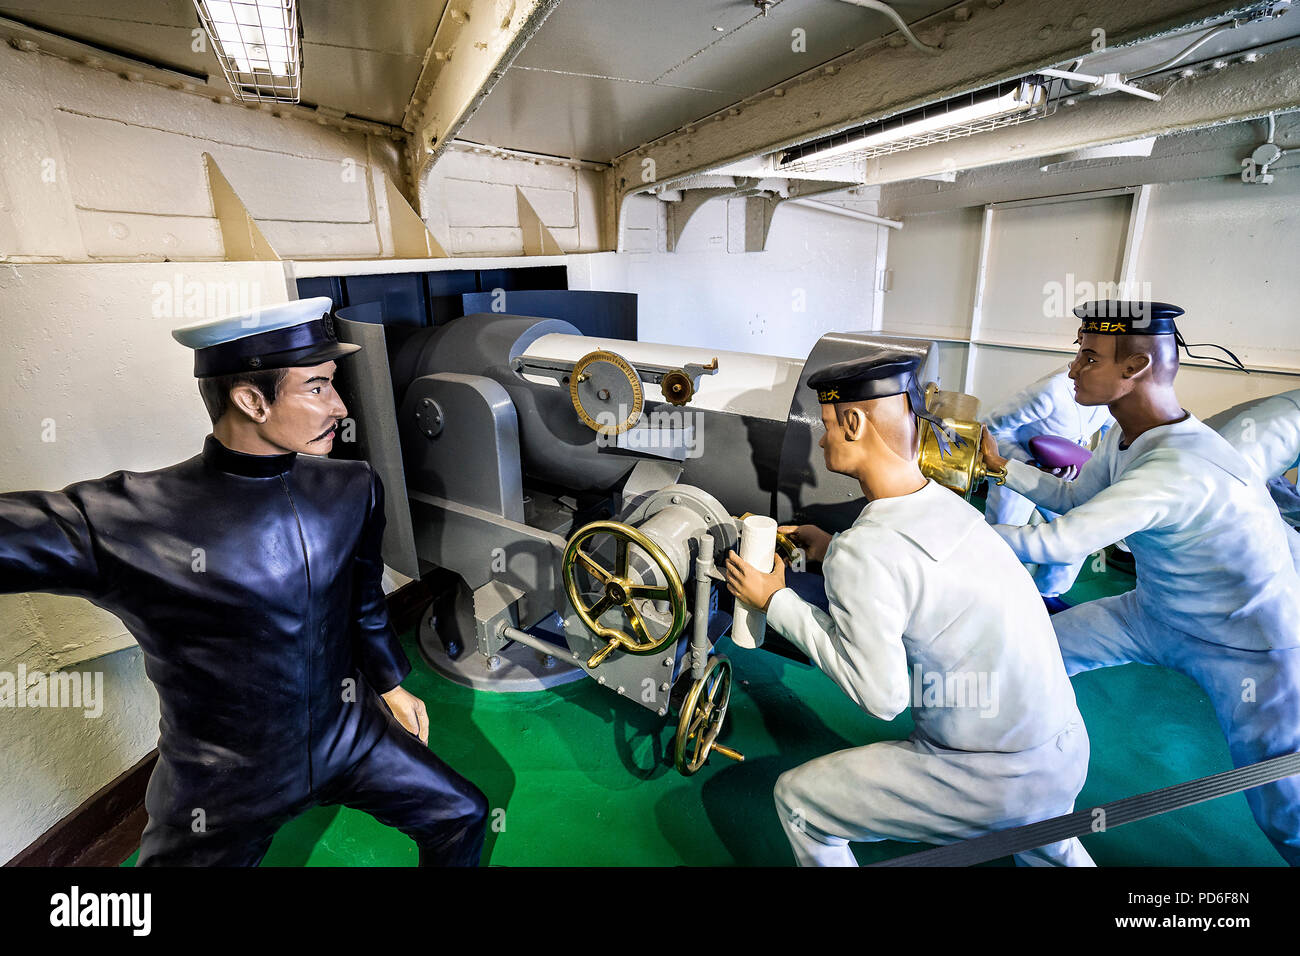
(250, 577)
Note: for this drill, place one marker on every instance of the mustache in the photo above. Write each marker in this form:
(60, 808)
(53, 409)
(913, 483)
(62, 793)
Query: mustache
(328, 430)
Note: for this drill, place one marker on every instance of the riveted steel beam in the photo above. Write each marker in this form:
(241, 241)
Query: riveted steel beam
(473, 46)
(1240, 92)
(983, 43)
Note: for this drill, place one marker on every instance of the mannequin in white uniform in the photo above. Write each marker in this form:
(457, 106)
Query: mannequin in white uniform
(1044, 407)
(1266, 432)
(919, 581)
(1217, 597)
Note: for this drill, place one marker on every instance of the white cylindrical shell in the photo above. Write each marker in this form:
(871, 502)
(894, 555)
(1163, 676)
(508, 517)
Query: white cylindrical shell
(758, 550)
(759, 386)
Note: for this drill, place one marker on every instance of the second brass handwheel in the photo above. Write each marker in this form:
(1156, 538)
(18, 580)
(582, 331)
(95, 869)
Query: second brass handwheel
(703, 713)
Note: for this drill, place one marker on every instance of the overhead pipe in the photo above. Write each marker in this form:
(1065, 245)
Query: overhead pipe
(850, 213)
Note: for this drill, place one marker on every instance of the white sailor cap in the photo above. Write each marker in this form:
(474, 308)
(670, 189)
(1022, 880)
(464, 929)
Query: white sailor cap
(290, 335)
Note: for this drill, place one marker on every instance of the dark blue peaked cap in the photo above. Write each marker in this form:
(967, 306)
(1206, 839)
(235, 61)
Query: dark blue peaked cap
(879, 376)
(858, 380)
(1131, 317)
(289, 335)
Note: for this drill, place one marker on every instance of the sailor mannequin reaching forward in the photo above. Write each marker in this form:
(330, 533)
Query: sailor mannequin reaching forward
(920, 581)
(1217, 597)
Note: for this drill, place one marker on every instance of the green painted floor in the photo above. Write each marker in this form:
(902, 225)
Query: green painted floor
(578, 776)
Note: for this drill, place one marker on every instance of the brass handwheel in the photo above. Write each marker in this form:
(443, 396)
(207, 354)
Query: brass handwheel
(703, 712)
(621, 591)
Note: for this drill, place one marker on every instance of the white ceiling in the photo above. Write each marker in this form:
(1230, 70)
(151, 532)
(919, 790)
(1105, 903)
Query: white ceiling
(359, 56)
(602, 77)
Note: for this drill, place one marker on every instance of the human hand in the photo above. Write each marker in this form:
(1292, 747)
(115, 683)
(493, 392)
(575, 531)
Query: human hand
(751, 585)
(409, 711)
(1067, 472)
(993, 462)
(811, 538)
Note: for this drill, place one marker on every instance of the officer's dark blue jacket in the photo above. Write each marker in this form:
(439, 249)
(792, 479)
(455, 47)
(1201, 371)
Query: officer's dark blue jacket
(252, 584)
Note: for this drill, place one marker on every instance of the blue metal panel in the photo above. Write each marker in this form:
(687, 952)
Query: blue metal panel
(402, 295)
(445, 289)
(528, 277)
(610, 315)
(330, 286)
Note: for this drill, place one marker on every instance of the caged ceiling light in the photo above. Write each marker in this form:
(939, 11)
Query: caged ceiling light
(1003, 105)
(257, 44)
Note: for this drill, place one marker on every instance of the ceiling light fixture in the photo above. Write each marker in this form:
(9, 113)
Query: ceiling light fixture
(1101, 85)
(257, 45)
(1003, 105)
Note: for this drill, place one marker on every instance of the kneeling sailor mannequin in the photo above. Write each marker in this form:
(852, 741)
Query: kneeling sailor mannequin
(1217, 597)
(920, 581)
(1044, 407)
(276, 669)
(1266, 432)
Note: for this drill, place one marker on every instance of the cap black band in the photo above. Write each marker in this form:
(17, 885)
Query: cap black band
(1128, 326)
(863, 380)
(862, 389)
(1124, 317)
(278, 348)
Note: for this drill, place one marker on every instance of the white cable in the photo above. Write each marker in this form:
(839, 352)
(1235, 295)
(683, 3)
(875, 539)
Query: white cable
(1195, 45)
(890, 12)
(1272, 130)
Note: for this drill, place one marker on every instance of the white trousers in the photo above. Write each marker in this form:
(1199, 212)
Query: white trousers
(1256, 694)
(916, 792)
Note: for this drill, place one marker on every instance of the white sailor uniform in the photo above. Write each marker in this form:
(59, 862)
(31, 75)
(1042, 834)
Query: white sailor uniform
(921, 582)
(1217, 597)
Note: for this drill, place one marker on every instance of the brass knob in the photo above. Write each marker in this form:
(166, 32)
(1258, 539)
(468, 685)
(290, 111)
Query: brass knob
(677, 387)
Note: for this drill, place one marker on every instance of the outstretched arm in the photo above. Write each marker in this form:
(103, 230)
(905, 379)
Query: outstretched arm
(1146, 497)
(46, 545)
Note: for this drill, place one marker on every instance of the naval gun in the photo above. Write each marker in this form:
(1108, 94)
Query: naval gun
(584, 491)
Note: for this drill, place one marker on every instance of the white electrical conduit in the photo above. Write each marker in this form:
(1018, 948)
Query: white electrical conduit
(1187, 51)
(889, 11)
(1272, 130)
(1195, 45)
(850, 213)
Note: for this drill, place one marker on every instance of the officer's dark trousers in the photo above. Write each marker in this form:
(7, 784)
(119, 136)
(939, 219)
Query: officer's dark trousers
(400, 782)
